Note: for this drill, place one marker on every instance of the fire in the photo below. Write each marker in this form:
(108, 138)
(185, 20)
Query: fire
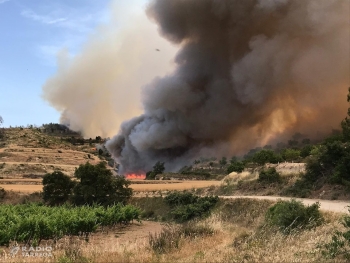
(135, 176)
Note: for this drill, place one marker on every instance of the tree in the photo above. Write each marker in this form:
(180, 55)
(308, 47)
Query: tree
(233, 159)
(237, 167)
(158, 168)
(291, 154)
(306, 141)
(98, 185)
(292, 143)
(223, 161)
(306, 150)
(57, 188)
(266, 156)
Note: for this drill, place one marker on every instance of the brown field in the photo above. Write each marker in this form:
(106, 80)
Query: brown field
(148, 187)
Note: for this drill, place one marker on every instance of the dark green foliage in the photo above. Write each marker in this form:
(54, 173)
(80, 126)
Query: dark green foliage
(269, 176)
(306, 151)
(57, 188)
(2, 193)
(158, 168)
(223, 161)
(233, 159)
(180, 198)
(301, 188)
(98, 185)
(237, 167)
(266, 156)
(100, 152)
(306, 141)
(185, 169)
(290, 215)
(187, 206)
(291, 155)
(196, 161)
(35, 222)
(340, 243)
(292, 143)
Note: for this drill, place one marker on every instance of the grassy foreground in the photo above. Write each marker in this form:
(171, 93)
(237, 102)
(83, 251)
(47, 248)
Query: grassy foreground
(236, 231)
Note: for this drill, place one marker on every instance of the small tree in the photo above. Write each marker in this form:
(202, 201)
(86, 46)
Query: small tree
(223, 161)
(266, 156)
(269, 176)
(57, 188)
(233, 159)
(237, 167)
(291, 155)
(158, 168)
(98, 185)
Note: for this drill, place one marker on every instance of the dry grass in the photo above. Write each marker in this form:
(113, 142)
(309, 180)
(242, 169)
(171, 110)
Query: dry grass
(149, 187)
(239, 236)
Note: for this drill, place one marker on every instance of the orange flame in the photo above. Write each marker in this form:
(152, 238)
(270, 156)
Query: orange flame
(135, 176)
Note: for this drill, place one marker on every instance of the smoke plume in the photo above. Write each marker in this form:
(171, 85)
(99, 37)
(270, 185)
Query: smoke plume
(247, 72)
(98, 89)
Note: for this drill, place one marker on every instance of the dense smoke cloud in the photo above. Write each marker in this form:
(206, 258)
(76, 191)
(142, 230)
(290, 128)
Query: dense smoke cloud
(247, 72)
(98, 89)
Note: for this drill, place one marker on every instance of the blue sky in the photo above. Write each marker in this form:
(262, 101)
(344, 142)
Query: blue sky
(31, 33)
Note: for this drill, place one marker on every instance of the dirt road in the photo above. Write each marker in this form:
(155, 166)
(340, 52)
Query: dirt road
(327, 205)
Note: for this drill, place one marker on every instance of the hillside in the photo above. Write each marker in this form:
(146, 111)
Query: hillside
(31, 153)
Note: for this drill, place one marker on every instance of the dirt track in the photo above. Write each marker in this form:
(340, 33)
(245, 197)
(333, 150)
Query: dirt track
(327, 205)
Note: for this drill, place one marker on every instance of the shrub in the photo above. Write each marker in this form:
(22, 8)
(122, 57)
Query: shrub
(306, 151)
(291, 154)
(98, 185)
(2, 193)
(266, 156)
(180, 198)
(290, 215)
(237, 167)
(269, 176)
(187, 206)
(158, 168)
(57, 188)
(340, 243)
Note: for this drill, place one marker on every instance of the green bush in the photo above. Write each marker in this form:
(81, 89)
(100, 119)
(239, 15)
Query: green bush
(340, 244)
(98, 185)
(266, 156)
(301, 188)
(291, 215)
(291, 155)
(237, 167)
(269, 176)
(187, 206)
(57, 188)
(2, 193)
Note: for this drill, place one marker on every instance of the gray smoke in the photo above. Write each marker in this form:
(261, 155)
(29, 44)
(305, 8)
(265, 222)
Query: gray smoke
(247, 72)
